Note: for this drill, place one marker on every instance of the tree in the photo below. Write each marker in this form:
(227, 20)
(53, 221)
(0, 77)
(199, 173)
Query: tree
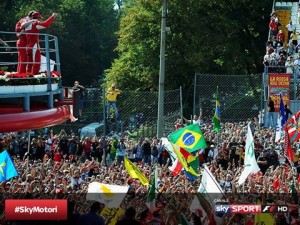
(85, 30)
(207, 36)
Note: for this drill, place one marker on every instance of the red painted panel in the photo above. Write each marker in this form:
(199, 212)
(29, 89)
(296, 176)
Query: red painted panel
(34, 119)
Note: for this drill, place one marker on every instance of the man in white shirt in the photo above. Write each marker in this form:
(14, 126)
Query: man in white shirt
(196, 120)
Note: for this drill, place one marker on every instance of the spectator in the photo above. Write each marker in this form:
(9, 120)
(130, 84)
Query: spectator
(195, 120)
(294, 38)
(271, 114)
(80, 89)
(289, 65)
(263, 161)
(287, 112)
(92, 218)
(273, 27)
(147, 151)
(280, 37)
(112, 94)
(129, 218)
(290, 28)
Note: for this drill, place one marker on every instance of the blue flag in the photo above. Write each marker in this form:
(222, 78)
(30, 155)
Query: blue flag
(282, 111)
(7, 167)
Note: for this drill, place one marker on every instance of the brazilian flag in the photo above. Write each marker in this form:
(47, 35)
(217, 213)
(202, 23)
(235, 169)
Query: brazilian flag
(217, 115)
(193, 163)
(190, 138)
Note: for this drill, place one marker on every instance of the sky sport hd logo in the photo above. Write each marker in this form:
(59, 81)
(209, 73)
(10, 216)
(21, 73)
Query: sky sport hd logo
(252, 209)
(240, 209)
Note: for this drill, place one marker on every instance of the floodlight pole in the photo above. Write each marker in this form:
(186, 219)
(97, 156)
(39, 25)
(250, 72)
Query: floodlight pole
(161, 87)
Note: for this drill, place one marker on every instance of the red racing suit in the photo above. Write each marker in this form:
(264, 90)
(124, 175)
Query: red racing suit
(33, 47)
(21, 46)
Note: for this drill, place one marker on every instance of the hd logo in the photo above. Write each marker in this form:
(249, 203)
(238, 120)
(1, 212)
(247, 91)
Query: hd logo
(274, 209)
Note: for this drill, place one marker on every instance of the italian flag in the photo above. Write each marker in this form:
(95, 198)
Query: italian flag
(152, 193)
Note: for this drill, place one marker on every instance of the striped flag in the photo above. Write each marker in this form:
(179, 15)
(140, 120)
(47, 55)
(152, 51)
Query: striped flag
(288, 147)
(292, 126)
(217, 115)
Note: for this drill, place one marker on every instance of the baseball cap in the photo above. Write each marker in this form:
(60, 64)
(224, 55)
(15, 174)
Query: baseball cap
(36, 15)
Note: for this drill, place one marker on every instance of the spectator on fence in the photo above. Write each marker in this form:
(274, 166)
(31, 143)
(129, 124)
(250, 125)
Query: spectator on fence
(271, 114)
(196, 120)
(112, 94)
(80, 89)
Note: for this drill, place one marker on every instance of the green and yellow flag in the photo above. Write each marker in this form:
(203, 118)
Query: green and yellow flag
(186, 162)
(134, 172)
(217, 115)
(190, 138)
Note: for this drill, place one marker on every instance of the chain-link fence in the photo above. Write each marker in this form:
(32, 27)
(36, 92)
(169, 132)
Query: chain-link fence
(137, 113)
(240, 96)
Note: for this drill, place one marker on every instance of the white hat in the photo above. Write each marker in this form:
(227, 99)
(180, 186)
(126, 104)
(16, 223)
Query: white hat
(212, 146)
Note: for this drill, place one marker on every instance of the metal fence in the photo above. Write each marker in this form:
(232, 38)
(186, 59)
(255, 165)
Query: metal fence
(240, 96)
(137, 113)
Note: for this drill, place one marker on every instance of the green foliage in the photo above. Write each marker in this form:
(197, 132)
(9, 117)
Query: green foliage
(206, 36)
(85, 30)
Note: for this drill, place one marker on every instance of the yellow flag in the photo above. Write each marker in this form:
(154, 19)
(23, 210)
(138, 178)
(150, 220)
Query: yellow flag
(111, 215)
(264, 218)
(184, 162)
(134, 172)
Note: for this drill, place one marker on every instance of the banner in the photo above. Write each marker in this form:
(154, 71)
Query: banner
(111, 215)
(279, 84)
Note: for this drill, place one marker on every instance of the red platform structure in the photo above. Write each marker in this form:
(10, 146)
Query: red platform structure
(31, 101)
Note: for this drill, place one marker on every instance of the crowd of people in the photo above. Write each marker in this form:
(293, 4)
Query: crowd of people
(62, 165)
(281, 51)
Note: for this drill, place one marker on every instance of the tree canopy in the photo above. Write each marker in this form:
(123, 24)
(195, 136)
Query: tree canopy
(206, 36)
(122, 40)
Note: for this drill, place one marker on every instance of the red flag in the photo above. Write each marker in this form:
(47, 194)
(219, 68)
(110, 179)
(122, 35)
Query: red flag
(176, 168)
(287, 147)
(276, 184)
(292, 127)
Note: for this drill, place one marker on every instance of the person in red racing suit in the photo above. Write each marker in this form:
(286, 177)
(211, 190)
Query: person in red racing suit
(22, 41)
(33, 47)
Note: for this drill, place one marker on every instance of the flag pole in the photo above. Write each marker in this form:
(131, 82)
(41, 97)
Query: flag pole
(215, 183)
(27, 156)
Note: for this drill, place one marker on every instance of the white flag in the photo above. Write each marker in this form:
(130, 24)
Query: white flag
(110, 195)
(168, 146)
(250, 161)
(278, 129)
(209, 187)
